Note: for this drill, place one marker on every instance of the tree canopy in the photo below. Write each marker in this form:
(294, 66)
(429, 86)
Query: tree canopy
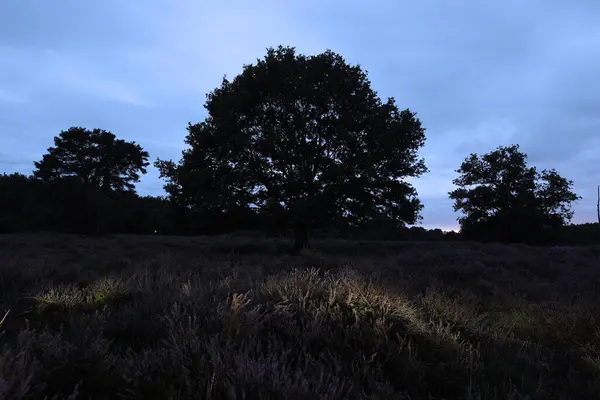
(93, 157)
(306, 138)
(501, 197)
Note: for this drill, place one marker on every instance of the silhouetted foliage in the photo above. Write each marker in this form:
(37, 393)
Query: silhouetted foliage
(84, 184)
(65, 205)
(571, 234)
(305, 140)
(501, 198)
(598, 204)
(28, 205)
(96, 158)
(17, 194)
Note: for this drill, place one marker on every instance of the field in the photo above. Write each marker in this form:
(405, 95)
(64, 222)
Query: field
(238, 318)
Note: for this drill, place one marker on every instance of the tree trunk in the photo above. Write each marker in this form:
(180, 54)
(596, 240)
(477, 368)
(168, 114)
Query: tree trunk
(300, 236)
(598, 204)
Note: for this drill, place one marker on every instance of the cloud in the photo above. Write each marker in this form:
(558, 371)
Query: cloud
(88, 83)
(8, 97)
(196, 43)
(479, 74)
(39, 72)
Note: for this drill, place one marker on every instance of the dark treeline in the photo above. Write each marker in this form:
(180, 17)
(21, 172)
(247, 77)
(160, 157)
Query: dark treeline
(29, 205)
(295, 145)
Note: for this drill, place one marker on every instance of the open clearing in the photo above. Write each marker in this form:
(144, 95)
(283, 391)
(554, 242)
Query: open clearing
(236, 317)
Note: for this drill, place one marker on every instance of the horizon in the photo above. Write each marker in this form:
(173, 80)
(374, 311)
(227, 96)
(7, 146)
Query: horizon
(478, 74)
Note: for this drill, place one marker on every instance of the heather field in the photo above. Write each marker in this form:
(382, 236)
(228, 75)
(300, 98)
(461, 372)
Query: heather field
(237, 317)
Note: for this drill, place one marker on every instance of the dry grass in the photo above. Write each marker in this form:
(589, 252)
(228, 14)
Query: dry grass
(236, 318)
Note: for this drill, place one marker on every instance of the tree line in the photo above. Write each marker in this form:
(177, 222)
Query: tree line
(294, 144)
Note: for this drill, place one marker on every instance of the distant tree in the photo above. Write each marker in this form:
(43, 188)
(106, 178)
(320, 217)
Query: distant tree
(28, 204)
(452, 235)
(587, 233)
(598, 204)
(131, 213)
(306, 132)
(502, 198)
(95, 158)
(17, 195)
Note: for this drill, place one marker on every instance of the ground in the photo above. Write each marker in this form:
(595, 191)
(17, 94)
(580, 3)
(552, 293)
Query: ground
(231, 317)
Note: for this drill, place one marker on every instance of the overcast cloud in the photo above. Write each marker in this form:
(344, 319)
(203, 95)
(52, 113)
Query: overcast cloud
(479, 74)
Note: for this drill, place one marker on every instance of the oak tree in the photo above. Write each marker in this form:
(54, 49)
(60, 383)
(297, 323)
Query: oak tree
(306, 136)
(501, 197)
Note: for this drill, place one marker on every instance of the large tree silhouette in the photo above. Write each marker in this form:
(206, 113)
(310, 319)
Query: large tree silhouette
(95, 158)
(503, 198)
(304, 132)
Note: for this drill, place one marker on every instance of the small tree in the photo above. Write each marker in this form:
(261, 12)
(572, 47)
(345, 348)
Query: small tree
(87, 167)
(305, 132)
(96, 158)
(502, 198)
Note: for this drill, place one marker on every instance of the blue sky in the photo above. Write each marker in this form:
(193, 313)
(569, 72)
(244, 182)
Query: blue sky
(479, 74)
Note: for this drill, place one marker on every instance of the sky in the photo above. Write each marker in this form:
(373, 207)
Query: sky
(478, 73)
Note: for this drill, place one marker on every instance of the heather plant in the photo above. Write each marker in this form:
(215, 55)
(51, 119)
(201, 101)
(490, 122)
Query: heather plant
(180, 318)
